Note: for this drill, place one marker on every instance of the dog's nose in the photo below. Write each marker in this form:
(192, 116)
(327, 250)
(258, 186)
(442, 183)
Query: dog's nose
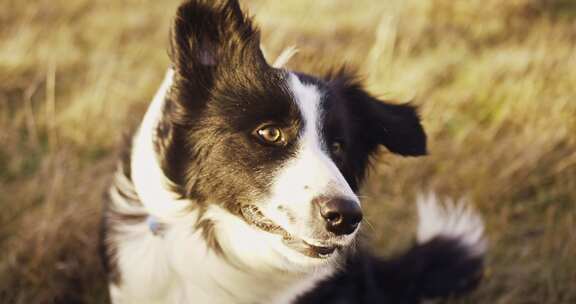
(341, 215)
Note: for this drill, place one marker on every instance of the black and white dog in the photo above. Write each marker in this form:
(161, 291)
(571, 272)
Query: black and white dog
(240, 185)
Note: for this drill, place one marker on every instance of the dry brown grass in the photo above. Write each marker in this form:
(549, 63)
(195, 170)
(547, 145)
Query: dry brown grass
(496, 81)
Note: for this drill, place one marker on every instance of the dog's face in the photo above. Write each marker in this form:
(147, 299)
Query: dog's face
(284, 151)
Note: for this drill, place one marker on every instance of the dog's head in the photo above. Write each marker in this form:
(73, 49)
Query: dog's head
(282, 151)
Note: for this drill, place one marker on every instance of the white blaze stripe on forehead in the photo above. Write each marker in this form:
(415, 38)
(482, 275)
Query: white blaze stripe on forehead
(312, 164)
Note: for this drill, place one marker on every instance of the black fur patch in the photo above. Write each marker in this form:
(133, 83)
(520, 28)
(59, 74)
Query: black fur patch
(361, 122)
(441, 267)
(223, 90)
(379, 122)
(206, 227)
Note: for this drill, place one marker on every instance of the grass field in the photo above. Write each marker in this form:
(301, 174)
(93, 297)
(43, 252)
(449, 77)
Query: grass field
(495, 81)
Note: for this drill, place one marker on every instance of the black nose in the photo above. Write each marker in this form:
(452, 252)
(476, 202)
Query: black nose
(341, 215)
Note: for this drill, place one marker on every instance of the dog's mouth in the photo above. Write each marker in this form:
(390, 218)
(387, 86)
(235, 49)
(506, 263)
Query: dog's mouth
(254, 217)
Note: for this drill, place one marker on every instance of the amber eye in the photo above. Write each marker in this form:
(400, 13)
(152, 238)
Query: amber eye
(337, 148)
(271, 134)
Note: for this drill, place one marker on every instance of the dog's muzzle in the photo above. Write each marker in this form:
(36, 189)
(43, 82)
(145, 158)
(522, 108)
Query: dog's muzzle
(253, 216)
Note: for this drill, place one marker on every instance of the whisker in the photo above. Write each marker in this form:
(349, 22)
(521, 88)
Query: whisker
(365, 220)
(364, 196)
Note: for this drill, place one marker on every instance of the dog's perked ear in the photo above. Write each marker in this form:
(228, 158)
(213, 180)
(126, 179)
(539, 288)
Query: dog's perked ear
(212, 35)
(395, 126)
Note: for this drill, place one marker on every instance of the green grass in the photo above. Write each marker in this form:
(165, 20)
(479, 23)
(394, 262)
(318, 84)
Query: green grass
(495, 81)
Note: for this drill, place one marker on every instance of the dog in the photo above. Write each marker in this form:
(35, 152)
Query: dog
(240, 184)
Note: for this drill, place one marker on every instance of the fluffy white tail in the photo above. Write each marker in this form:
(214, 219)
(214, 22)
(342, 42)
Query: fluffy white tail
(454, 220)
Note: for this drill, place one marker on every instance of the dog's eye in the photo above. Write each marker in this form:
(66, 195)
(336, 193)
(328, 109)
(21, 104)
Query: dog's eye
(337, 148)
(271, 134)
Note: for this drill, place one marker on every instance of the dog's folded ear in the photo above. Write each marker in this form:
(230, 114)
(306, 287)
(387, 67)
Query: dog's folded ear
(212, 34)
(395, 126)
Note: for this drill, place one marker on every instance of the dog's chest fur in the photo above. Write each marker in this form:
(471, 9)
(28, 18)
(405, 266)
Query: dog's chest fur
(179, 267)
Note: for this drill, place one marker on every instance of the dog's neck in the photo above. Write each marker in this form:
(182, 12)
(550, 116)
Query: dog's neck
(247, 269)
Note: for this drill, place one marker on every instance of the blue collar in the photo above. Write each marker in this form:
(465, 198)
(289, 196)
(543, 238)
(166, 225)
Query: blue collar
(154, 225)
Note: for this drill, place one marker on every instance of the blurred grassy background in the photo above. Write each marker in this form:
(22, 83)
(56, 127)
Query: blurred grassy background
(495, 80)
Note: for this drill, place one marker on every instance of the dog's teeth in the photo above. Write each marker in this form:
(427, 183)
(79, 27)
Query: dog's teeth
(255, 217)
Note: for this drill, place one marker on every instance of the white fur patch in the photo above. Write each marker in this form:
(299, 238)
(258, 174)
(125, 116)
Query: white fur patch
(311, 173)
(147, 176)
(318, 169)
(145, 273)
(453, 220)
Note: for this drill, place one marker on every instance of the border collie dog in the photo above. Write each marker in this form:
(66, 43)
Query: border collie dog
(240, 185)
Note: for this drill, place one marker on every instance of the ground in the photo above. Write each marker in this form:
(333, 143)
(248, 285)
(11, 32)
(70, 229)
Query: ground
(495, 82)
